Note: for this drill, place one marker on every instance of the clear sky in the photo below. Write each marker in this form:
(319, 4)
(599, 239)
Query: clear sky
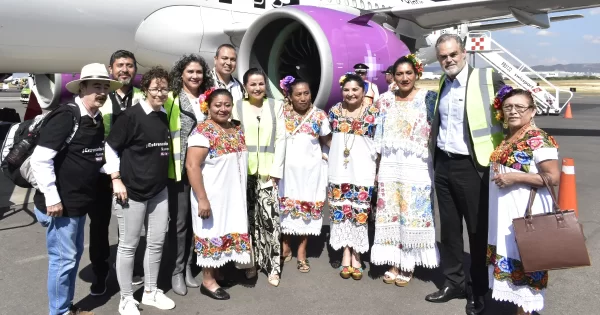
(573, 41)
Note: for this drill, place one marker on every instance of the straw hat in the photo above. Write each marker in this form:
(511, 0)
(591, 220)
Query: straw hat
(93, 71)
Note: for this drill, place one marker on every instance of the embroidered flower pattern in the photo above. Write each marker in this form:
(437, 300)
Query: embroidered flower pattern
(509, 269)
(357, 195)
(311, 126)
(226, 244)
(519, 155)
(306, 210)
(363, 126)
(221, 143)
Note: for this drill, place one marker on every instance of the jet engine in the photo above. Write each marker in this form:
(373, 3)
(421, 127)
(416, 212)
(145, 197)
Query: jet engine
(318, 45)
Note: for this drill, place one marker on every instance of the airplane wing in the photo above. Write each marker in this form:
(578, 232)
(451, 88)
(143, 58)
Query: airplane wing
(436, 15)
(478, 26)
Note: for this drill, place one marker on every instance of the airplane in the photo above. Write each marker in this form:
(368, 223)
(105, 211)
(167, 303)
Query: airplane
(317, 40)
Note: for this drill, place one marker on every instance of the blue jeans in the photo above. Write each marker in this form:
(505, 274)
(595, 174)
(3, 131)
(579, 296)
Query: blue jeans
(64, 241)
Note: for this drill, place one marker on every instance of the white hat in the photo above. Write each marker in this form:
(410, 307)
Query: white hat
(93, 71)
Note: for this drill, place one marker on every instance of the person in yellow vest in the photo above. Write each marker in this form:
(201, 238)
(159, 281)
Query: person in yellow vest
(464, 133)
(371, 90)
(188, 80)
(263, 124)
(123, 68)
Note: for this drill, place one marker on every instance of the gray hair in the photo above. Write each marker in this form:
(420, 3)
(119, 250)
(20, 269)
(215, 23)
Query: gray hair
(446, 37)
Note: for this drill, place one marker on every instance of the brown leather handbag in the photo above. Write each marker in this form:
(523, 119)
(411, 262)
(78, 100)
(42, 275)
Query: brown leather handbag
(552, 240)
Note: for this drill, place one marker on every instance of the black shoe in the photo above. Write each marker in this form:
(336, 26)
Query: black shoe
(446, 294)
(137, 279)
(475, 306)
(98, 287)
(218, 294)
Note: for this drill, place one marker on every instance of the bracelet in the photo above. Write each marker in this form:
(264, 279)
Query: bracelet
(113, 178)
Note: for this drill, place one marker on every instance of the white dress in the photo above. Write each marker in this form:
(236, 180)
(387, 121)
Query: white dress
(404, 225)
(507, 278)
(302, 190)
(223, 237)
(351, 184)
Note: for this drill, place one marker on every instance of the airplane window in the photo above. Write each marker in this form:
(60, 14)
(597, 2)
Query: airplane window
(362, 4)
(354, 3)
(347, 2)
(370, 6)
(376, 5)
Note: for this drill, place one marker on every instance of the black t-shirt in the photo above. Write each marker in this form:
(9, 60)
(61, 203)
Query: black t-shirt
(142, 142)
(77, 166)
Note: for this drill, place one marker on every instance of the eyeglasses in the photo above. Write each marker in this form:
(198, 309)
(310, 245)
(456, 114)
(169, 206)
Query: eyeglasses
(155, 91)
(518, 108)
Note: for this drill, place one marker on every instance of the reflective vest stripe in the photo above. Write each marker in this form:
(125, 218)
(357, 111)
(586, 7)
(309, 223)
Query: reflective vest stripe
(484, 79)
(173, 115)
(252, 148)
(107, 109)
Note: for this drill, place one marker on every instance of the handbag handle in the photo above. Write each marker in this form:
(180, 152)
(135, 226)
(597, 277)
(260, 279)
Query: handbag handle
(546, 181)
(530, 203)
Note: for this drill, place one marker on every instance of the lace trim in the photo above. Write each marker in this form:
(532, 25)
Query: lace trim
(403, 237)
(241, 258)
(530, 300)
(347, 234)
(405, 259)
(389, 146)
(297, 226)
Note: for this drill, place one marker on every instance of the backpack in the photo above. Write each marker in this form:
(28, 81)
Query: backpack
(20, 142)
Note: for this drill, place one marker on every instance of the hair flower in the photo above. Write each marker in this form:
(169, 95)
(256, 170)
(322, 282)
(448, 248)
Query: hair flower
(497, 104)
(285, 83)
(203, 100)
(343, 77)
(417, 63)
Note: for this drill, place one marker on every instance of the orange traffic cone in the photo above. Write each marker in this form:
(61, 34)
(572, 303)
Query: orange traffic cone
(568, 114)
(567, 194)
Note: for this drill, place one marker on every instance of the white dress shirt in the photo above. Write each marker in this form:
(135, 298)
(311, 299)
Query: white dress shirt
(234, 86)
(113, 161)
(42, 164)
(451, 137)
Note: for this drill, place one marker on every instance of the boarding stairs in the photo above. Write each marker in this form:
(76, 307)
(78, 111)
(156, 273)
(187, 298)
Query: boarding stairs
(481, 43)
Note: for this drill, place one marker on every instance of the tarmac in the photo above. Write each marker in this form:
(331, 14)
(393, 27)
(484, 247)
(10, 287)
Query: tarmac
(24, 263)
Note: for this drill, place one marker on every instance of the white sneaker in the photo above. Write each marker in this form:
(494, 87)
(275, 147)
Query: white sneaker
(129, 306)
(157, 299)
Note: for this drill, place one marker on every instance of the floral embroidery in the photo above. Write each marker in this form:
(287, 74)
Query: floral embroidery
(311, 126)
(301, 209)
(360, 198)
(222, 143)
(226, 244)
(509, 269)
(364, 126)
(409, 204)
(519, 155)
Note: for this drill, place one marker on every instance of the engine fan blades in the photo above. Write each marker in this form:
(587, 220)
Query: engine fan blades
(300, 58)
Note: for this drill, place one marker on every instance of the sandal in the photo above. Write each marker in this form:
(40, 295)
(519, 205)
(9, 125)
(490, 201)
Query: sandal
(389, 277)
(357, 273)
(346, 271)
(402, 280)
(274, 280)
(303, 266)
(286, 258)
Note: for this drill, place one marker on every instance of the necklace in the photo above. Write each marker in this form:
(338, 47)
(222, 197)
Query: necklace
(506, 144)
(347, 134)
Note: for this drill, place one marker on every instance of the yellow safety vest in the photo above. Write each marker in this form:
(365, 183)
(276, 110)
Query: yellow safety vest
(260, 135)
(485, 130)
(107, 109)
(173, 115)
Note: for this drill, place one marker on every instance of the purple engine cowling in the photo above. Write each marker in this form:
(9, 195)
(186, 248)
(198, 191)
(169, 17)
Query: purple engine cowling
(318, 45)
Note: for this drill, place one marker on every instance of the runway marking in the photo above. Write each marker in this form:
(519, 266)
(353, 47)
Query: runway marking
(9, 99)
(39, 257)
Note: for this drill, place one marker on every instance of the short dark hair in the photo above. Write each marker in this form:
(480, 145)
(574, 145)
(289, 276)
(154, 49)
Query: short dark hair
(224, 46)
(218, 92)
(297, 82)
(516, 92)
(176, 82)
(353, 77)
(154, 73)
(122, 54)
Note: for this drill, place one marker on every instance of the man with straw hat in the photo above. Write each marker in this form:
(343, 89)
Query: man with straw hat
(66, 164)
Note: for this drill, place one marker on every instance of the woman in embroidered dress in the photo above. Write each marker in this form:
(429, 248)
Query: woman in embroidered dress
(302, 190)
(264, 128)
(216, 166)
(351, 170)
(404, 231)
(515, 168)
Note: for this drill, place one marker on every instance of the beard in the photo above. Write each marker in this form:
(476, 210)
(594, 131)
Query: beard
(126, 81)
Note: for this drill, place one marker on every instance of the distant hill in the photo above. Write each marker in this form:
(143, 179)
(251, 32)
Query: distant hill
(571, 67)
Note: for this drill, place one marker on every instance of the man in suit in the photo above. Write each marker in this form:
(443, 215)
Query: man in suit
(463, 135)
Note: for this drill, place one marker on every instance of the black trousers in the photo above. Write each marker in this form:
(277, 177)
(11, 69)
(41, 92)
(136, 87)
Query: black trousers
(180, 224)
(99, 222)
(462, 193)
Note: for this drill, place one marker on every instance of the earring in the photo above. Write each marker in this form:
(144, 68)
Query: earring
(245, 95)
(505, 124)
(532, 123)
